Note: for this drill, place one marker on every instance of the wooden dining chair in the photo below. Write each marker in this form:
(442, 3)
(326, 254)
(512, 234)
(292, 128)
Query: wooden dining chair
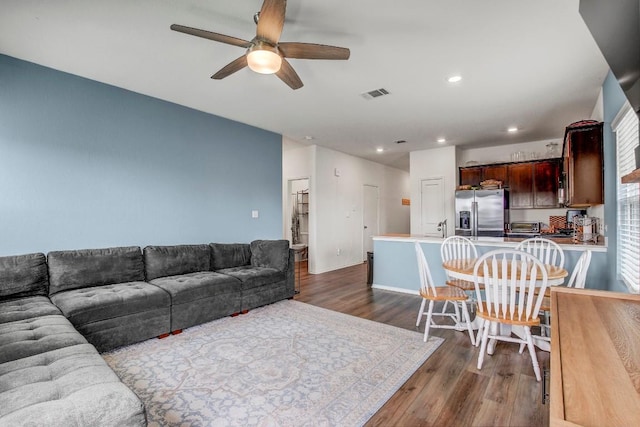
(458, 247)
(429, 292)
(547, 251)
(577, 279)
(510, 277)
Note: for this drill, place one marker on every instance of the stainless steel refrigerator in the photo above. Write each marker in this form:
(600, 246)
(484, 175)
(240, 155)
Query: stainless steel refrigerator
(482, 212)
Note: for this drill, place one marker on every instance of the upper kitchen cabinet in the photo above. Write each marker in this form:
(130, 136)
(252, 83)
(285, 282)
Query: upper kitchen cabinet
(534, 185)
(473, 175)
(497, 172)
(583, 164)
(470, 175)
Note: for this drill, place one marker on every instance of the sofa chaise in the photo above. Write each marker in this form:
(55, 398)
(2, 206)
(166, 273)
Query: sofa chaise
(49, 374)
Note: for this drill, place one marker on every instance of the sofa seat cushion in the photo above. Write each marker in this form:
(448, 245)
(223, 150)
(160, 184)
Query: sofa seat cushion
(24, 338)
(72, 386)
(26, 308)
(194, 286)
(254, 277)
(87, 305)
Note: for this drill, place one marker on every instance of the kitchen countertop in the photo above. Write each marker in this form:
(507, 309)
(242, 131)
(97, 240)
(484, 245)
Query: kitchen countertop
(565, 242)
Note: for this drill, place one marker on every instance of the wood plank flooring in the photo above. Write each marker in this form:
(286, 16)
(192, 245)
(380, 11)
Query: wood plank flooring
(448, 389)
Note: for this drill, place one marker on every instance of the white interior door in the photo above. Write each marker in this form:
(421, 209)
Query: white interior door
(369, 218)
(432, 206)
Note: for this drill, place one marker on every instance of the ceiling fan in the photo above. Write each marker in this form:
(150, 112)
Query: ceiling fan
(265, 53)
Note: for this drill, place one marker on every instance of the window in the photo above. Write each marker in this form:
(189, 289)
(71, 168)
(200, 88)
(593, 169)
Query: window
(625, 126)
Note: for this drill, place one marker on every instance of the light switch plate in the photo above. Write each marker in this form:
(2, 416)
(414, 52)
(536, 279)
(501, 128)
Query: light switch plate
(255, 214)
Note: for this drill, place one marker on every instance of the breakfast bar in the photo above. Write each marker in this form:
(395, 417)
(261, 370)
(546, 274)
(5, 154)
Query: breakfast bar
(396, 268)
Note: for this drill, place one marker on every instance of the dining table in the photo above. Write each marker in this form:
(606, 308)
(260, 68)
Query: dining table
(462, 269)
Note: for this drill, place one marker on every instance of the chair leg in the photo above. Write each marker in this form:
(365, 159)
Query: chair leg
(480, 329)
(532, 352)
(420, 312)
(427, 325)
(467, 319)
(483, 346)
(444, 307)
(456, 309)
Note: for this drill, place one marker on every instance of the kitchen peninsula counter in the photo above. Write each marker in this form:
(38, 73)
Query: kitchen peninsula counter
(395, 267)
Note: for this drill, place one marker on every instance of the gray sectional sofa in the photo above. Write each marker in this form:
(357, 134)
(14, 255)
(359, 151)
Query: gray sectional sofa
(58, 312)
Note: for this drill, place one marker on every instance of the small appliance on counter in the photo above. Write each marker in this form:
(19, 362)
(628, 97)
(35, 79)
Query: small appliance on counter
(524, 229)
(571, 213)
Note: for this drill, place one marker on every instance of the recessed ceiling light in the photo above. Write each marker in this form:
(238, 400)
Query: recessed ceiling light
(380, 150)
(454, 79)
(512, 129)
(441, 140)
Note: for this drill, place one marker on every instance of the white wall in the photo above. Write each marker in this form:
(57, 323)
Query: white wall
(434, 163)
(335, 218)
(502, 153)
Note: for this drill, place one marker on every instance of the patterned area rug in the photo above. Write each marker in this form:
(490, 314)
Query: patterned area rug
(286, 364)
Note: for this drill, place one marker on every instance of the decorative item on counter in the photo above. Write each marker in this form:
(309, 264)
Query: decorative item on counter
(558, 221)
(463, 187)
(585, 229)
(552, 150)
(491, 184)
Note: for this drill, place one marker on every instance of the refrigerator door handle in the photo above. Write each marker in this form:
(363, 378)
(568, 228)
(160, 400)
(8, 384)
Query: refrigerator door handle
(474, 219)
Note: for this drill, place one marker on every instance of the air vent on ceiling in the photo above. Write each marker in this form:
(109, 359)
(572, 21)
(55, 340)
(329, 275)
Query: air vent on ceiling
(375, 93)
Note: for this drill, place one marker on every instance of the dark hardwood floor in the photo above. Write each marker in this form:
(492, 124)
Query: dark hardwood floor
(448, 389)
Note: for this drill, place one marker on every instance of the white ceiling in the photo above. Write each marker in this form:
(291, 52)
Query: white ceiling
(532, 64)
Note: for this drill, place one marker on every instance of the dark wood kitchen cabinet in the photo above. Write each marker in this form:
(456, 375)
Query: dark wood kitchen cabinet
(521, 185)
(584, 164)
(470, 175)
(534, 185)
(497, 172)
(545, 184)
(474, 175)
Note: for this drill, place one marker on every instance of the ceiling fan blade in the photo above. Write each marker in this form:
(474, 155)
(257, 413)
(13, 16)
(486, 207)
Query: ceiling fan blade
(230, 68)
(211, 36)
(288, 75)
(313, 51)
(271, 20)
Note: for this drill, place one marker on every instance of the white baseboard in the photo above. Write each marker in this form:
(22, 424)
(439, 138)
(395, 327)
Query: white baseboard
(393, 289)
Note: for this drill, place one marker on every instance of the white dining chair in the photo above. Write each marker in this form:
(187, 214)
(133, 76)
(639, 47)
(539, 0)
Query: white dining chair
(547, 251)
(510, 277)
(458, 247)
(429, 292)
(577, 279)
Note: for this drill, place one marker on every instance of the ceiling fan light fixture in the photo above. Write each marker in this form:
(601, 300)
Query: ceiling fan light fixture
(264, 59)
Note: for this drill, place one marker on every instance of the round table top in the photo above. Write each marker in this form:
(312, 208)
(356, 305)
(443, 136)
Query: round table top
(465, 267)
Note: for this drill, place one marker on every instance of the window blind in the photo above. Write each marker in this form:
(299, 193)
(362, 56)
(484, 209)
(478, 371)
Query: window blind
(625, 127)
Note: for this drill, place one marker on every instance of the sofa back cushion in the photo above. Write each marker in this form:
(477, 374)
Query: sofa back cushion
(94, 267)
(229, 255)
(23, 276)
(270, 253)
(162, 261)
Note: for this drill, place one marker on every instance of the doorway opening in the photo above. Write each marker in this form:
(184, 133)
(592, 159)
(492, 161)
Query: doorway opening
(298, 220)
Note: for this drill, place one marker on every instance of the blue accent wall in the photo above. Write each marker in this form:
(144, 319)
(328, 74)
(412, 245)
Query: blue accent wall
(88, 165)
(613, 99)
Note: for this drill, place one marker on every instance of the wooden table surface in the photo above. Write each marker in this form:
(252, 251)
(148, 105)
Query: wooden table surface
(595, 358)
(463, 268)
